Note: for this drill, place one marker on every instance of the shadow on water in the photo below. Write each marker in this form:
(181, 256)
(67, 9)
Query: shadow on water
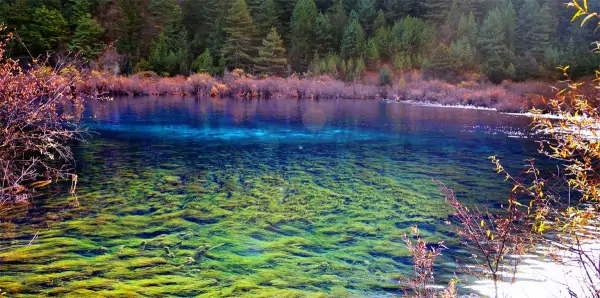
(219, 198)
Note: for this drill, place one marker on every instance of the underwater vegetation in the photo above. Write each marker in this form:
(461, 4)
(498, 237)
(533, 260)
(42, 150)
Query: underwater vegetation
(165, 216)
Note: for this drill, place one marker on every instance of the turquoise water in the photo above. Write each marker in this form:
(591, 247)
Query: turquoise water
(189, 197)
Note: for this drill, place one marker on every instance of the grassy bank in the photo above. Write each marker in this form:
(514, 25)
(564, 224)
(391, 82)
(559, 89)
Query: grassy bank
(412, 86)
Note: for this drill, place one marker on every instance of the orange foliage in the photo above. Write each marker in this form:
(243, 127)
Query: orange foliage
(39, 112)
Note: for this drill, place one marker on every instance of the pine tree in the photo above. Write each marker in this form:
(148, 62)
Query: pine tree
(204, 63)
(353, 41)
(271, 60)
(238, 46)
(302, 26)
(359, 68)
(533, 29)
(509, 17)
(49, 29)
(217, 37)
(266, 17)
(411, 35)
(75, 10)
(436, 10)
(323, 34)
(159, 55)
(452, 21)
(286, 9)
(464, 56)
(338, 20)
(491, 39)
(372, 52)
(200, 18)
(382, 40)
(497, 57)
(178, 43)
(395, 10)
(131, 41)
(477, 7)
(467, 27)
(379, 21)
(88, 38)
(441, 61)
(367, 12)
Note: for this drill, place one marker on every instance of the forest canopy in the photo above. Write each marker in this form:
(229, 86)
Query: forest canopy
(503, 39)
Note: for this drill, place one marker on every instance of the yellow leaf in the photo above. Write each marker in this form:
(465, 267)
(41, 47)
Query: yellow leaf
(576, 15)
(489, 233)
(591, 15)
(482, 223)
(39, 184)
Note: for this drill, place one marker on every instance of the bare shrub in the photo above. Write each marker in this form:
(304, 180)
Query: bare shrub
(39, 112)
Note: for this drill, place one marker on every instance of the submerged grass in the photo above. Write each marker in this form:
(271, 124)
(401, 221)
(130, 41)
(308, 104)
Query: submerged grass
(269, 221)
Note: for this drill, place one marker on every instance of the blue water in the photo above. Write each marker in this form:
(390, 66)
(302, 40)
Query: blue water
(293, 198)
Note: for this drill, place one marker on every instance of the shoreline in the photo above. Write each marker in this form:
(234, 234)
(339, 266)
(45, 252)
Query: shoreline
(508, 97)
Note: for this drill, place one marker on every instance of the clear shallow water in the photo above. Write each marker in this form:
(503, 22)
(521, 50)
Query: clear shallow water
(256, 198)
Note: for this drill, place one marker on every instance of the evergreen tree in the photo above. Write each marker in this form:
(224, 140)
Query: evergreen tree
(271, 60)
(75, 10)
(217, 36)
(509, 18)
(303, 34)
(158, 56)
(367, 13)
(395, 9)
(338, 20)
(379, 21)
(451, 24)
(411, 35)
(323, 34)
(382, 40)
(479, 8)
(533, 28)
(286, 9)
(204, 63)
(467, 27)
(464, 56)
(238, 46)
(436, 10)
(496, 55)
(88, 38)
(130, 39)
(266, 17)
(200, 18)
(49, 29)
(353, 41)
(178, 43)
(16, 15)
(359, 68)
(491, 39)
(441, 61)
(373, 52)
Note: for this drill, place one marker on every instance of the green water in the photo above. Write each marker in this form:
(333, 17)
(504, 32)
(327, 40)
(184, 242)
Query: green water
(187, 197)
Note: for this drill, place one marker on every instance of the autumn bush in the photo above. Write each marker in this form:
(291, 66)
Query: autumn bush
(556, 210)
(410, 86)
(39, 111)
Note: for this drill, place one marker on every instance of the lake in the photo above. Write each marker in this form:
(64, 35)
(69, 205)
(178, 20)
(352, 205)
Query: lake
(181, 196)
